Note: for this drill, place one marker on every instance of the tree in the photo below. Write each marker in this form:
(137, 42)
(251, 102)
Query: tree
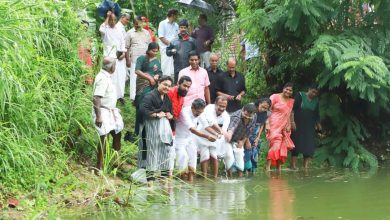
(341, 46)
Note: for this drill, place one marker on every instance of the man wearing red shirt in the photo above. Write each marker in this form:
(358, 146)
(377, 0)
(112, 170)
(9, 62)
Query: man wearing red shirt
(176, 95)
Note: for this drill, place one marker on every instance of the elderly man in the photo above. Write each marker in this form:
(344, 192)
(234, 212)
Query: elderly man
(114, 46)
(186, 150)
(214, 73)
(200, 80)
(106, 116)
(232, 85)
(204, 38)
(181, 48)
(242, 122)
(137, 41)
(214, 121)
(168, 31)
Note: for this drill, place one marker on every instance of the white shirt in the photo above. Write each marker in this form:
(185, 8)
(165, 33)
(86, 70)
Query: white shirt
(113, 40)
(168, 30)
(104, 88)
(121, 27)
(209, 117)
(186, 121)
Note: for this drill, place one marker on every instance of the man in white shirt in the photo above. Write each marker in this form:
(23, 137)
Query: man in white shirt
(105, 115)
(114, 46)
(137, 41)
(186, 129)
(168, 31)
(214, 121)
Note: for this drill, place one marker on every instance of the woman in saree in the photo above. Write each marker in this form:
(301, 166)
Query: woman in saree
(278, 127)
(156, 142)
(148, 71)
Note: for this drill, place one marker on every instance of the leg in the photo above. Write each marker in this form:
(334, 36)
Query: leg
(214, 163)
(306, 161)
(204, 165)
(100, 153)
(268, 167)
(116, 144)
(294, 162)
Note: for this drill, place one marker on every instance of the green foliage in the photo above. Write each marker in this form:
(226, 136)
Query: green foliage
(41, 99)
(337, 45)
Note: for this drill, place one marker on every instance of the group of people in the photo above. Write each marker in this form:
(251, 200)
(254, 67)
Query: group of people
(198, 111)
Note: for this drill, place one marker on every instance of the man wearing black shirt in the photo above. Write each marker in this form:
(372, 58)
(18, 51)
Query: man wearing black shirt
(232, 85)
(214, 73)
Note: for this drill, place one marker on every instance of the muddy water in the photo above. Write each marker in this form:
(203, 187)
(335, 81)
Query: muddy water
(318, 194)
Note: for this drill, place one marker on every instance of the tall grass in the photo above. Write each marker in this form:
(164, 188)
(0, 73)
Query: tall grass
(42, 104)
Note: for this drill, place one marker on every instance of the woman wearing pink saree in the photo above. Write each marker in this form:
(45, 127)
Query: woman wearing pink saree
(278, 127)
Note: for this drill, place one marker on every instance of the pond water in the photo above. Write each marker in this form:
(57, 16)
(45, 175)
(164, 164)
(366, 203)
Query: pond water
(317, 194)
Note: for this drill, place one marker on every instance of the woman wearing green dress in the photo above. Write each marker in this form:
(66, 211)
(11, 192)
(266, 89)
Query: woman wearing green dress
(306, 121)
(148, 71)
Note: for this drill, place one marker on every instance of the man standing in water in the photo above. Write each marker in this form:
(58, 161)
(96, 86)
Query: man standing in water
(106, 116)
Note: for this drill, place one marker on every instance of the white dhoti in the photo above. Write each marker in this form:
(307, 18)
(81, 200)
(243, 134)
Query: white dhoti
(208, 149)
(111, 121)
(166, 63)
(119, 78)
(133, 78)
(186, 153)
(234, 157)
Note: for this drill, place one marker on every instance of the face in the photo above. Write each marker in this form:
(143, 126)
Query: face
(174, 17)
(287, 92)
(164, 86)
(112, 21)
(184, 87)
(183, 30)
(194, 62)
(144, 22)
(220, 106)
(197, 112)
(247, 116)
(231, 67)
(137, 24)
(312, 93)
(153, 53)
(263, 107)
(214, 61)
(125, 20)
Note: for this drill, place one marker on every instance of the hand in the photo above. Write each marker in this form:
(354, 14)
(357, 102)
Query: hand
(230, 97)
(211, 138)
(152, 82)
(128, 63)
(173, 50)
(98, 122)
(156, 77)
(109, 13)
(161, 114)
(238, 97)
(169, 115)
(206, 43)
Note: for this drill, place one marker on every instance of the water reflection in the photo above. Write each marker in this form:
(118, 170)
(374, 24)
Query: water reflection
(281, 198)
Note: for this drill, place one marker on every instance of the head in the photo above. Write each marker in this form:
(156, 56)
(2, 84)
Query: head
(164, 84)
(184, 85)
(214, 60)
(263, 104)
(312, 92)
(197, 107)
(152, 50)
(138, 23)
(112, 19)
(248, 112)
(221, 103)
(109, 64)
(193, 59)
(231, 65)
(144, 21)
(125, 18)
(183, 27)
(172, 15)
(202, 20)
(288, 90)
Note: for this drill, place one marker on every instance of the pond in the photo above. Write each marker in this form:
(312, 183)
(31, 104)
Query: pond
(317, 194)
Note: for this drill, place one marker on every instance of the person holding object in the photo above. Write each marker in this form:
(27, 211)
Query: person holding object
(106, 116)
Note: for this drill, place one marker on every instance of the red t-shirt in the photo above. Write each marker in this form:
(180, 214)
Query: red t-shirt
(177, 101)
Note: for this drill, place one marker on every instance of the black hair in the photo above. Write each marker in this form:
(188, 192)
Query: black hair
(203, 16)
(193, 53)
(165, 78)
(289, 84)
(151, 46)
(221, 97)
(184, 78)
(313, 86)
(198, 104)
(172, 12)
(262, 100)
(137, 18)
(250, 108)
(183, 22)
